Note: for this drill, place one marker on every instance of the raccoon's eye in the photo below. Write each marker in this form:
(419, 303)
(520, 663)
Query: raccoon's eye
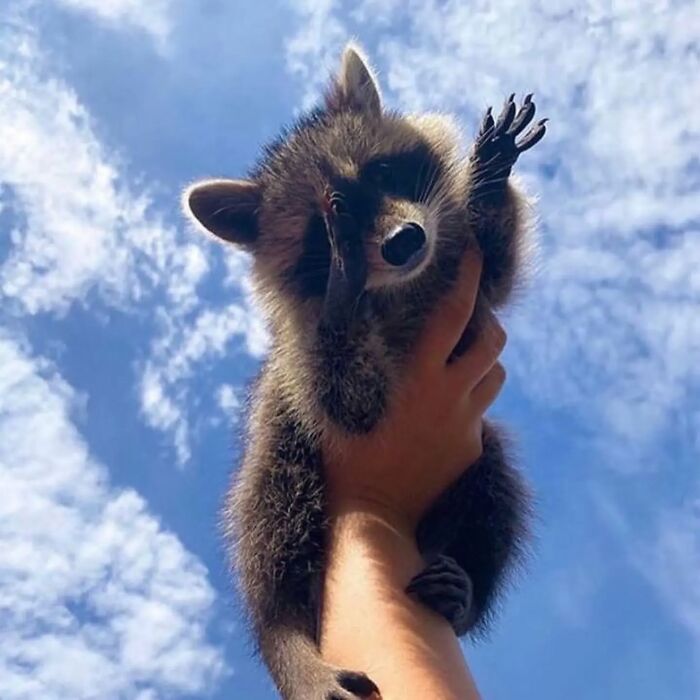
(382, 175)
(410, 174)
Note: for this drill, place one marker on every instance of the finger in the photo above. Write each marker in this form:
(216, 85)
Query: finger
(448, 320)
(467, 371)
(486, 391)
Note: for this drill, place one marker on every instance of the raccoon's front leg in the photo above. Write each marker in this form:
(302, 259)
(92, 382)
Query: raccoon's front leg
(495, 210)
(351, 362)
(348, 351)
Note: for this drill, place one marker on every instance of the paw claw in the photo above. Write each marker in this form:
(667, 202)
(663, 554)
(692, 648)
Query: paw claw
(535, 135)
(486, 124)
(357, 683)
(506, 117)
(523, 117)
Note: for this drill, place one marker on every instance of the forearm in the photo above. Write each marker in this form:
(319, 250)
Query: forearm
(370, 624)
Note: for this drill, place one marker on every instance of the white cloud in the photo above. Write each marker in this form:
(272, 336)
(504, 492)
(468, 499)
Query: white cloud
(312, 52)
(153, 17)
(80, 226)
(185, 343)
(189, 340)
(229, 399)
(97, 599)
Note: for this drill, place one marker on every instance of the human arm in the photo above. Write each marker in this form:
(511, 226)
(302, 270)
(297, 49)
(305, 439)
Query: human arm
(380, 488)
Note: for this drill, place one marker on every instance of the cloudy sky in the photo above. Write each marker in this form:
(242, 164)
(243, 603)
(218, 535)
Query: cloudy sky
(127, 340)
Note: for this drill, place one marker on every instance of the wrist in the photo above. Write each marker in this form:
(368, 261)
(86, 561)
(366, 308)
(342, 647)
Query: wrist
(367, 517)
(374, 541)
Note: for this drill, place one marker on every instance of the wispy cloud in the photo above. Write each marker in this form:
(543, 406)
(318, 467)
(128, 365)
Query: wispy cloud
(186, 343)
(153, 17)
(98, 600)
(81, 228)
(671, 562)
(312, 51)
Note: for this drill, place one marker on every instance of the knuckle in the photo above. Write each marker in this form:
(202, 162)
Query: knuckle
(498, 336)
(502, 337)
(500, 374)
(492, 384)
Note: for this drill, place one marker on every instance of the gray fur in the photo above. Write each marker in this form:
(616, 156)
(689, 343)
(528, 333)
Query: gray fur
(322, 376)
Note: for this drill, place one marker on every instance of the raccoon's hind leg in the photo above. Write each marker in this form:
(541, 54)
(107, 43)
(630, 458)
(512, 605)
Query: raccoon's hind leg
(299, 671)
(276, 524)
(495, 210)
(482, 523)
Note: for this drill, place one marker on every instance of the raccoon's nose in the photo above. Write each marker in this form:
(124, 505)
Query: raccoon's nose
(403, 243)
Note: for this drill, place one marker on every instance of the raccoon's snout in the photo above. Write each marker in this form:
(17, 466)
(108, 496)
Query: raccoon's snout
(405, 245)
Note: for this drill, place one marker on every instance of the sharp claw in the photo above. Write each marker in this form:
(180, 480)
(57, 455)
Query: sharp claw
(533, 136)
(522, 119)
(506, 118)
(528, 98)
(486, 122)
(357, 683)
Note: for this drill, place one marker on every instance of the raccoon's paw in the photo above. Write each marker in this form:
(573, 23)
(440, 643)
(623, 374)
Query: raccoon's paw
(330, 683)
(497, 146)
(353, 685)
(446, 588)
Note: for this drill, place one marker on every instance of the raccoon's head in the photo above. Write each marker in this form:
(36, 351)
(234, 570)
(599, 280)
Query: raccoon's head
(400, 179)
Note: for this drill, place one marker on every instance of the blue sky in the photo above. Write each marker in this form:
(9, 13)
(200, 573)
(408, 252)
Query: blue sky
(127, 340)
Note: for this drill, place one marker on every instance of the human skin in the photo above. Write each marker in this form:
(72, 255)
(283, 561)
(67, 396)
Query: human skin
(379, 488)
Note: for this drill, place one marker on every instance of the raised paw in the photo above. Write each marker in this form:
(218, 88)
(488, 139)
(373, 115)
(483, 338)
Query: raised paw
(499, 144)
(445, 588)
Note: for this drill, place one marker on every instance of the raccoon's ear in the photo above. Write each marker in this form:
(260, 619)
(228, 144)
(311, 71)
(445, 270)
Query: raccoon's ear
(355, 87)
(226, 208)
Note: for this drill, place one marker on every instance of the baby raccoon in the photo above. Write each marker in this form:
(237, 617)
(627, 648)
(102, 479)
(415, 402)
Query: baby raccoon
(357, 219)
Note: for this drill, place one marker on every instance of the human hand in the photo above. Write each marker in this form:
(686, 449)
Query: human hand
(431, 431)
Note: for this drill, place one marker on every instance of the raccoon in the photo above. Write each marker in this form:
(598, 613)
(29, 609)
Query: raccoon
(357, 218)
